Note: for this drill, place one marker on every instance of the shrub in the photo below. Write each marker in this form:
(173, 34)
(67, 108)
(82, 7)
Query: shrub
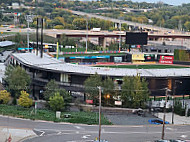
(4, 97)
(178, 109)
(24, 100)
(57, 102)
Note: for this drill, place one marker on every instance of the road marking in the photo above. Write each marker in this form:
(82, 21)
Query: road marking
(85, 136)
(78, 127)
(42, 132)
(183, 136)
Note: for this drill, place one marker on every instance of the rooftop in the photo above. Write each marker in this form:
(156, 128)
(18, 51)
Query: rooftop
(49, 63)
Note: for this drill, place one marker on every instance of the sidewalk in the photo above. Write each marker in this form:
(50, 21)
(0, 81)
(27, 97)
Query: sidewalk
(177, 119)
(15, 134)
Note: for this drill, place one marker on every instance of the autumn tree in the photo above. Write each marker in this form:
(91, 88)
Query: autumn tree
(24, 99)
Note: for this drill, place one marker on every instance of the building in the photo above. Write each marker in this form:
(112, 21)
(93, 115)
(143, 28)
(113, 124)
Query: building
(71, 76)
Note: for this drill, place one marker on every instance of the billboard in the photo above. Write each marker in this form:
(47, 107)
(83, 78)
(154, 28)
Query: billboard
(166, 59)
(136, 38)
(138, 57)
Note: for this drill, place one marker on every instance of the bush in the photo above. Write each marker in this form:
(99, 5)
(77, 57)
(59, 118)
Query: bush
(57, 102)
(24, 100)
(178, 109)
(4, 97)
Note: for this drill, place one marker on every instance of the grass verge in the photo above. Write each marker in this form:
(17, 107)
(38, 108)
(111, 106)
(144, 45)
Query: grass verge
(47, 115)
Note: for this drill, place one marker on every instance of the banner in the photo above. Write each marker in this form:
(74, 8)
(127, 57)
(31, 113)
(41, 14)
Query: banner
(138, 57)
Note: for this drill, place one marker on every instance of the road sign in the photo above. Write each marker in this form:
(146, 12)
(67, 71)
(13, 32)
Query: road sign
(29, 18)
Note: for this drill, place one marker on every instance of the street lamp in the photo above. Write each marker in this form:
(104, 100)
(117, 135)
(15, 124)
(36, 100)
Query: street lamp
(164, 116)
(100, 91)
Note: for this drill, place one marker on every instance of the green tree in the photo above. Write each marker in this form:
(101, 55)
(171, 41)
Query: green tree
(24, 100)
(4, 97)
(187, 25)
(134, 91)
(17, 79)
(108, 91)
(50, 89)
(56, 102)
(91, 85)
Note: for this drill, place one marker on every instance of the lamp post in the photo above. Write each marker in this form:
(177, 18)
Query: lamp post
(100, 90)
(164, 116)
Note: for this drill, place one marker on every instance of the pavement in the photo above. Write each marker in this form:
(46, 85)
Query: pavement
(177, 119)
(15, 134)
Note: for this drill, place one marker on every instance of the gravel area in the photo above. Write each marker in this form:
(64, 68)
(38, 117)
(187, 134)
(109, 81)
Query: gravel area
(129, 119)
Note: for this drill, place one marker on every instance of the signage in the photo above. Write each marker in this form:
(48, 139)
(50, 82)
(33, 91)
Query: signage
(166, 62)
(118, 103)
(46, 46)
(89, 101)
(166, 57)
(138, 57)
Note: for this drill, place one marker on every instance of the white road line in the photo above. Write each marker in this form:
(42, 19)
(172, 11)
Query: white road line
(183, 136)
(42, 132)
(85, 136)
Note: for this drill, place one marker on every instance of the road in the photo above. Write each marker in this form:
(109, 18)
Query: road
(146, 26)
(65, 132)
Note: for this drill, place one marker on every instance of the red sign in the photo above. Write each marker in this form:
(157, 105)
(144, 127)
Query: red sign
(148, 58)
(166, 57)
(89, 101)
(166, 61)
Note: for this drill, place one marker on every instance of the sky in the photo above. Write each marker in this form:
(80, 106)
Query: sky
(172, 2)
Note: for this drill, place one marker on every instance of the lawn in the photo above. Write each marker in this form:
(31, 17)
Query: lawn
(76, 117)
(92, 54)
(141, 66)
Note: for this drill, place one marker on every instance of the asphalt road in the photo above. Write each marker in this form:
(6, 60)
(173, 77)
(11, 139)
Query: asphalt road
(65, 132)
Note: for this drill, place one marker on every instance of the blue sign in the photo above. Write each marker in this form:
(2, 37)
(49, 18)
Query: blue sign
(24, 48)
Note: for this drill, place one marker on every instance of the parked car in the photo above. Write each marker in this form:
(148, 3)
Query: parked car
(157, 121)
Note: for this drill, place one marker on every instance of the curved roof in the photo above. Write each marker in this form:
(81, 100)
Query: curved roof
(49, 63)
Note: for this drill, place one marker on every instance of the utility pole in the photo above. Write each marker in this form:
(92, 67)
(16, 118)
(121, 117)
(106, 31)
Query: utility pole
(86, 33)
(163, 127)
(100, 90)
(120, 36)
(42, 37)
(29, 19)
(37, 38)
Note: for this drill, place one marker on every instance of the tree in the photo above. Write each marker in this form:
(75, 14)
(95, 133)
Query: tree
(56, 102)
(17, 79)
(187, 25)
(108, 90)
(134, 91)
(91, 85)
(24, 99)
(4, 97)
(51, 88)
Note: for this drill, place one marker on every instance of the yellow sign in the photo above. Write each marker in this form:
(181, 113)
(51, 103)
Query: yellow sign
(138, 57)
(46, 46)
